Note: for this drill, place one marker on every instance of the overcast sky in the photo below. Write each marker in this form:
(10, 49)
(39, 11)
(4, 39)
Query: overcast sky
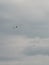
(31, 16)
(29, 43)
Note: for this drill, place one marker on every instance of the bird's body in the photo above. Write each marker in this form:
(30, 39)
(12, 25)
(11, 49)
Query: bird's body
(16, 26)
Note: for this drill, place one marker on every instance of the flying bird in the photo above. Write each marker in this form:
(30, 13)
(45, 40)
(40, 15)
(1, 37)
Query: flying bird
(16, 26)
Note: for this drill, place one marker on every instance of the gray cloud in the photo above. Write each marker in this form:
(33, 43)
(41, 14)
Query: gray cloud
(30, 29)
(32, 14)
(30, 51)
(9, 52)
(23, 50)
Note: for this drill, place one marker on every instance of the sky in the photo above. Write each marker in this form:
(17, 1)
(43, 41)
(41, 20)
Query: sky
(29, 43)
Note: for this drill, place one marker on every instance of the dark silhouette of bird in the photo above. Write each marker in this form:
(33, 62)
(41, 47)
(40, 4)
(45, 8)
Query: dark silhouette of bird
(16, 26)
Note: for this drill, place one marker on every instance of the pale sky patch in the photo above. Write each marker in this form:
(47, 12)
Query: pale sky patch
(29, 43)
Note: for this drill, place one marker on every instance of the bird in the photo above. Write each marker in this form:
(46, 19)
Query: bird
(16, 26)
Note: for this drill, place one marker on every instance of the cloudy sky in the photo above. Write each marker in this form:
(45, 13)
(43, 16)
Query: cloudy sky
(29, 43)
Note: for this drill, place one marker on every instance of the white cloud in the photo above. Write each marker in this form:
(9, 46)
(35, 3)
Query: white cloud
(11, 1)
(13, 50)
(19, 47)
(28, 9)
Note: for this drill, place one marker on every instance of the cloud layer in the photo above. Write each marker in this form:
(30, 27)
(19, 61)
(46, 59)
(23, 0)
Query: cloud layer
(32, 14)
(24, 50)
(29, 43)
